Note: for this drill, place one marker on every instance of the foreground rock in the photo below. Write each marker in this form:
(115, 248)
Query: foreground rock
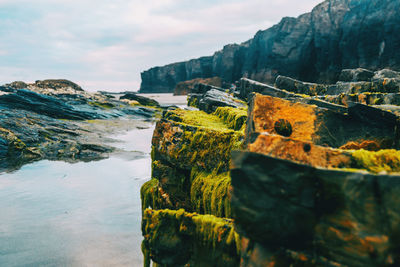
(299, 215)
(327, 126)
(190, 161)
(314, 47)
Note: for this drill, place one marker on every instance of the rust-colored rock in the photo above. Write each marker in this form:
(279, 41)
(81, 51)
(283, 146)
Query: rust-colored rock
(184, 88)
(321, 125)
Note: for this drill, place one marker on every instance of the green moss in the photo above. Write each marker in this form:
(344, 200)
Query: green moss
(196, 139)
(175, 237)
(197, 118)
(210, 193)
(146, 255)
(387, 160)
(104, 105)
(234, 118)
(193, 101)
(149, 194)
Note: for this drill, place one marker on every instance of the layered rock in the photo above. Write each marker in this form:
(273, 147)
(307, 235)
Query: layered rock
(355, 82)
(314, 47)
(297, 200)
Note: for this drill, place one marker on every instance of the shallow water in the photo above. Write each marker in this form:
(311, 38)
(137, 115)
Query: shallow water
(83, 214)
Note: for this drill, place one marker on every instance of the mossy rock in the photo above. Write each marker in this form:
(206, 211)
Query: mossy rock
(186, 139)
(210, 193)
(177, 238)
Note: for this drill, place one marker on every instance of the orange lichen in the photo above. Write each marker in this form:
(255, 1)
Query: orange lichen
(268, 110)
(371, 145)
(299, 151)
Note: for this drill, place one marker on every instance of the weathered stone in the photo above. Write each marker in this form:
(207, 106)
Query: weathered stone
(213, 99)
(186, 146)
(248, 86)
(187, 87)
(141, 99)
(50, 106)
(322, 126)
(386, 73)
(355, 75)
(345, 217)
(177, 238)
(300, 87)
(57, 83)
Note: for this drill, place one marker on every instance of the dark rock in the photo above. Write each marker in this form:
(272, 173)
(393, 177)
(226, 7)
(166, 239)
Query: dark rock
(386, 73)
(184, 88)
(57, 83)
(300, 87)
(202, 88)
(356, 75)
(316, 46)
(349, 218)
(18, 85)
(42, 104)
(141, 99)
(248, 86)
(213, 99)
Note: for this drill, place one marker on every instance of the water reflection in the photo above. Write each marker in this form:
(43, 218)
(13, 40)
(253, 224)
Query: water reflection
(82, 214)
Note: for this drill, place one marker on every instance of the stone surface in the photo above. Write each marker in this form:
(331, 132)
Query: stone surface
(326, 126)
(141, 99)
(355, 75)
(186, 87)
(314, 47)
(213, 99)
(57, 120)
(177, 238)
(347, 218)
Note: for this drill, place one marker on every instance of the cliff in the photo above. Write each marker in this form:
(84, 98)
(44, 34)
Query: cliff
(313, 47)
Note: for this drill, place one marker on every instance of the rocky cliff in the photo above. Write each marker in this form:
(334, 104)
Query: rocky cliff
(337, 34)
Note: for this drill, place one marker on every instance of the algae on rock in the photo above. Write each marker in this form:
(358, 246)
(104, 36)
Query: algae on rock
(210, 193)
(177, 238)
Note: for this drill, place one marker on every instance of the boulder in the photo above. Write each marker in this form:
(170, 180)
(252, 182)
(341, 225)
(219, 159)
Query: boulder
(57, 84)
(212, 99)
(355, 75)
(186, 87)
(141, 99)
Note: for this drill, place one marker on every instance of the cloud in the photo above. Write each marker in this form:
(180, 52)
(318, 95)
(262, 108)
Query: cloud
(106, 44)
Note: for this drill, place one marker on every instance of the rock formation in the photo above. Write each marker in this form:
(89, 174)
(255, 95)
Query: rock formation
(57, 120)
(314, 47)
(311, 183)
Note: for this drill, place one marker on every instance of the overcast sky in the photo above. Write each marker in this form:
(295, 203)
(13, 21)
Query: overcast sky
(105, 44)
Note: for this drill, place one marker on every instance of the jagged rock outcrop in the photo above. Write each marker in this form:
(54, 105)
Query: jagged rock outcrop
(314, 47)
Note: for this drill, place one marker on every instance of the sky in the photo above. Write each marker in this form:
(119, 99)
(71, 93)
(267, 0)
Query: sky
(105, 44)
